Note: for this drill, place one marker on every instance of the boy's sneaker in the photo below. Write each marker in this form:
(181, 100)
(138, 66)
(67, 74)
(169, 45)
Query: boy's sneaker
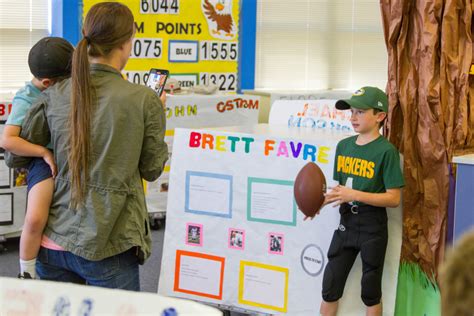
(25, 276)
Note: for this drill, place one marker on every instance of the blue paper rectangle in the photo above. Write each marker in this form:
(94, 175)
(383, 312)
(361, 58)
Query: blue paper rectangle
(209, 175)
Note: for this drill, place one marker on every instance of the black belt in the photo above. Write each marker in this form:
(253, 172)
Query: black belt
(356, 209)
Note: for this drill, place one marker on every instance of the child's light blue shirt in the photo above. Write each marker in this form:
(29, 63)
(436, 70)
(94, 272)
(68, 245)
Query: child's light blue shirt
(23, 100)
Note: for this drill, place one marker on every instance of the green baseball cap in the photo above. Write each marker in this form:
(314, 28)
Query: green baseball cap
(365, 98)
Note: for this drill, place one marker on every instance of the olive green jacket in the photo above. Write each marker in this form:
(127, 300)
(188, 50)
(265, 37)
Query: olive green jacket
(127, 139)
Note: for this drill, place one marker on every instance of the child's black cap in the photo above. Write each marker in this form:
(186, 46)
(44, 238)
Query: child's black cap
(51, 58)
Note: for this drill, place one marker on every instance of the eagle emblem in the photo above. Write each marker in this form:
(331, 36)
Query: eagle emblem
(218, 14)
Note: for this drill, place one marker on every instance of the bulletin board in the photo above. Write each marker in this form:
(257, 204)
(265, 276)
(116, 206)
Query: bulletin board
(197, 41)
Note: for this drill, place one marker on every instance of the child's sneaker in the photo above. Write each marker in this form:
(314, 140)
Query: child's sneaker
(25, 276)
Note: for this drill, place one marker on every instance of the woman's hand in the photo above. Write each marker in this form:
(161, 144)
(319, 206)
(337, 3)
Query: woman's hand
(49, 159)
(163, 99)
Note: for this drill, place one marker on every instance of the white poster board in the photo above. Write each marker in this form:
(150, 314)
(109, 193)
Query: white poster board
(35, 297)
(308, 95)
(197, 111)
(315, 114)
(234, 236)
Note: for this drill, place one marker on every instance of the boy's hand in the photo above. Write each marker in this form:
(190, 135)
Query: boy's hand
(340, 194)
(317, 213)
(49, 159)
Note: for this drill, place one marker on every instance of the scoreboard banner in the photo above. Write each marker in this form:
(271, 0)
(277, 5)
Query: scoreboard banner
(197, 41)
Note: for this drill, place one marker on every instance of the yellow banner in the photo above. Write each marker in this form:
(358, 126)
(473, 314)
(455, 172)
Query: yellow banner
(196, 40)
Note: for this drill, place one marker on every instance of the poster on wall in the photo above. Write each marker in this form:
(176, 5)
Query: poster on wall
(197, 41)
(234, 236)
(316, 114)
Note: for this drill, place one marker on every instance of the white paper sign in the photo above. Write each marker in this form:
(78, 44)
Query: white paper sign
(209, 193)
(316, 114)
(272, 201)
(6, 208)
(186, 81)
(266, 287)
(5, 175)
(183, 51)
(200, 275)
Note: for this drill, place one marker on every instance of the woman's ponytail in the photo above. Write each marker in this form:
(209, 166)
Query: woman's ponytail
(80, 122)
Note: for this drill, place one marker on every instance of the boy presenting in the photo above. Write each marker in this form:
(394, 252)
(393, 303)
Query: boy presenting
(49, 61)
(367, 168)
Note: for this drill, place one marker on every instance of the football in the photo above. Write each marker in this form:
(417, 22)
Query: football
(309, 189)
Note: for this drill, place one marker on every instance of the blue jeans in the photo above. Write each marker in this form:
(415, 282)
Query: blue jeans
(117, 272)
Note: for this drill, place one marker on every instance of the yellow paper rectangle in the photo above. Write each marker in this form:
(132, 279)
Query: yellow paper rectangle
(243, 264)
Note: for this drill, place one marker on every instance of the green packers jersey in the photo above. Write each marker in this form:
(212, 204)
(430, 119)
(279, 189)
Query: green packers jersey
(373, 167)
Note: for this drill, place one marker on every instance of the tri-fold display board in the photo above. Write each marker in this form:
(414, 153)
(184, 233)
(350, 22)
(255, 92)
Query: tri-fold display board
(234, 236)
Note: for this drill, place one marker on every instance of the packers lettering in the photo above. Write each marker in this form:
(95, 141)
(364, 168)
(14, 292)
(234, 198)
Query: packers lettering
(356, 166)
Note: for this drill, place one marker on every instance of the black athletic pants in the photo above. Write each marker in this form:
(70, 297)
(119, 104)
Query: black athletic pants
(362, 229)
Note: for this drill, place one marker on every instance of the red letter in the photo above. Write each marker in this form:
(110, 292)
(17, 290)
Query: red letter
(194, 139)
(220, 107)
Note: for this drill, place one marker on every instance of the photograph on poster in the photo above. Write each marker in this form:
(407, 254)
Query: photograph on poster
(236, 238)
(194, 234)
(199, 274)
(275, 243)
(208, 194)
(271, 201)
(6, 211)
(263, 285)
(19, 177)
(5, 175)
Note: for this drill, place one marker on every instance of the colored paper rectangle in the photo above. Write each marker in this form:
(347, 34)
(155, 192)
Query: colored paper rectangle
(183, 51)
(271, 201)
(263, 285)
(208, 194)
(199, 274)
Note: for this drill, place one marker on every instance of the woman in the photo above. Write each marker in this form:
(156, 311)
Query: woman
(107, 135)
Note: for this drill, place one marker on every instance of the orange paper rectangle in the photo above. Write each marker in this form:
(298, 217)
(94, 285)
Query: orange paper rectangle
(182, 253)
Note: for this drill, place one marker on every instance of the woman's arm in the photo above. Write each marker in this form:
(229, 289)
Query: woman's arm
(154, 149)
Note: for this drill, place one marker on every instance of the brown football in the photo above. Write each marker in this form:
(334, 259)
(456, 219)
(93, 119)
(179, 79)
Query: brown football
(309, 189)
